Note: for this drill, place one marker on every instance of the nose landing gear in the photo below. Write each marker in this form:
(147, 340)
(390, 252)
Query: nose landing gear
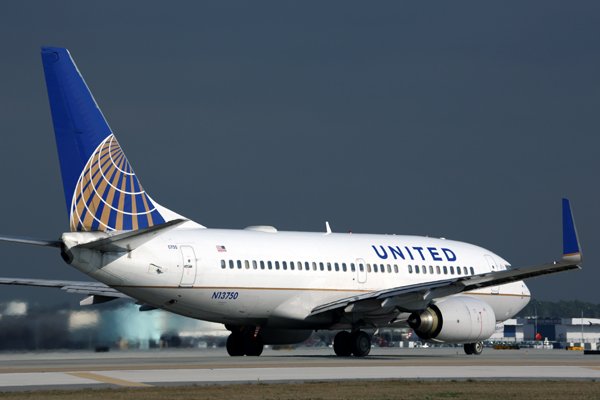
(357, 343)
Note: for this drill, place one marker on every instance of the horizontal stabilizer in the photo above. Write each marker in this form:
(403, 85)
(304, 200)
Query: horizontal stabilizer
(89, 288)
(32, 241)
(127, 241)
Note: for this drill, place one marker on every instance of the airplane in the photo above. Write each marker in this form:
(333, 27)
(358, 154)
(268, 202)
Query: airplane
(266, 286)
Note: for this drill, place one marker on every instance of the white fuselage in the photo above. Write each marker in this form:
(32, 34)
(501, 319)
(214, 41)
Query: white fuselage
(246, 277)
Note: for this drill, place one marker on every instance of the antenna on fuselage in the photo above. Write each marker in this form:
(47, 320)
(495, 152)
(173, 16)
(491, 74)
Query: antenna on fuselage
(327, 227)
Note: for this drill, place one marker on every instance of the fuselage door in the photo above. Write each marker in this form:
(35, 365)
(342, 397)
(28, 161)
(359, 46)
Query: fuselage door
(493, 268)
(188, 276)
(361, 270)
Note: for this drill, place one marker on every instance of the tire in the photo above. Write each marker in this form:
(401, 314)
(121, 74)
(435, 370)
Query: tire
(253, 346)
(341, 344)
(469, 348)
(477, 348)
(235, 345)
(361, 344)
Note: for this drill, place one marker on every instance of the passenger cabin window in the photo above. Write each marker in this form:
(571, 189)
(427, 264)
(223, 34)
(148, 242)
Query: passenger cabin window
(223, 264)
(424, 269)
(314, 266)
(445, 270)
(270, 264)
(361, 267)
(437, 269)
(276, 264)
(254, 266)
(396, 268)
(410, 269)
(465, 271)
(262, 265)
(337, 267)
(389, 269)
(472, 271)
(417, 269)
(368, 267)
(352, 267)
(284, 265)
(458, 270)
(292, 265)
(431, 269)
(344, 267)
(247, 264)
(321, 266)
(306, 266)
(231, 264)
(452, 270)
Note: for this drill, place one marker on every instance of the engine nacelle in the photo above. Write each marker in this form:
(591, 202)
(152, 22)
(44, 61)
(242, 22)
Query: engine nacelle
(458, 319)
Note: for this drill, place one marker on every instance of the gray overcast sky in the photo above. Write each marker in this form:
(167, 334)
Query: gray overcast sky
(467, 120)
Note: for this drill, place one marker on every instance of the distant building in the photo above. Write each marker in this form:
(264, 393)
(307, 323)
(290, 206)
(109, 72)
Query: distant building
(562, 329)
(510, 330)
(555, 329)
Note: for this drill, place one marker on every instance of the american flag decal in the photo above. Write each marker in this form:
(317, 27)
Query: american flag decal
(221, 249)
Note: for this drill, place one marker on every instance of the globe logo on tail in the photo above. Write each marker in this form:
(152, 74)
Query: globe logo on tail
(108, 195)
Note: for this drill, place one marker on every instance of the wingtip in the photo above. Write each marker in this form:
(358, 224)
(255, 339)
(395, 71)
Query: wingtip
(571, 247)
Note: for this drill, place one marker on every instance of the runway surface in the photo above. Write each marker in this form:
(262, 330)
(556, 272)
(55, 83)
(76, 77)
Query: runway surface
(82, 369)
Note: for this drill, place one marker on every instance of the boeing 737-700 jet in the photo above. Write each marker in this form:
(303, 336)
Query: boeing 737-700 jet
(266, 286)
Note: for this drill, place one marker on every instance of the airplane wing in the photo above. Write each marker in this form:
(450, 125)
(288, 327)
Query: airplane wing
(415, 297)
(97, 292)
(387, 302)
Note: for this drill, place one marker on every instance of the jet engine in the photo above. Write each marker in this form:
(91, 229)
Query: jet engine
(458, 319)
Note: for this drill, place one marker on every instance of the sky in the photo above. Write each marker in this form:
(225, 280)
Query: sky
(463, 120)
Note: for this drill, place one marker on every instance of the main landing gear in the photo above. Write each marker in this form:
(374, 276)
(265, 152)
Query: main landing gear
(357, 343)
(474, 348)
(239, 344)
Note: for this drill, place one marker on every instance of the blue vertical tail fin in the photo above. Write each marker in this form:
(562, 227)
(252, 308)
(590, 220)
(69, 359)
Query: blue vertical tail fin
(101, 190)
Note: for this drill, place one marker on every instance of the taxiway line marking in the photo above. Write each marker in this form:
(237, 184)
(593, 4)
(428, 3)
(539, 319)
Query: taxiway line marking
(366, 364)
(106, 379)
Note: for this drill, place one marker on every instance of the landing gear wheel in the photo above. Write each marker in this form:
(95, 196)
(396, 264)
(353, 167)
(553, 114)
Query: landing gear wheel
(235, 344)
(360, 343)
(253, 346)
(341, 344)
(477, 348)
(469, 348)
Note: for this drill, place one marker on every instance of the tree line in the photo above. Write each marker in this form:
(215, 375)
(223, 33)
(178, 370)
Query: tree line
(560, 309)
